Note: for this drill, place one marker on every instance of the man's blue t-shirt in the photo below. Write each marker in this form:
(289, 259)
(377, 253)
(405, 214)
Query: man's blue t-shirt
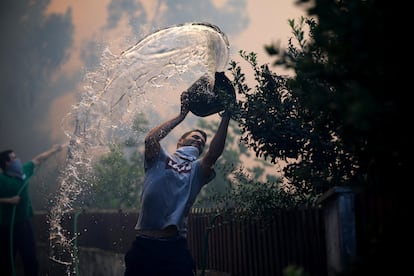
(171, 185)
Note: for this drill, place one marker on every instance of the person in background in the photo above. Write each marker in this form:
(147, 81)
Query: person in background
(16, 208)
(171, 185)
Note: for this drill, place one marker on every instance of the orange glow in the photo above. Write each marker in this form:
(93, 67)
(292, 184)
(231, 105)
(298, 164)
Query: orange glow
(88, 17)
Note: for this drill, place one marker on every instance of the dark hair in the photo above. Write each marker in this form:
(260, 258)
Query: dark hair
(4, 157)
(197, 130)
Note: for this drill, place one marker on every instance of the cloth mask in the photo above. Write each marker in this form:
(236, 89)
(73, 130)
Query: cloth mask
(15, 169)
(189, 153)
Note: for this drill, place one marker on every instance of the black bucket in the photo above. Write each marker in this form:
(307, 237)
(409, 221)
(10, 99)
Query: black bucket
(203, 102)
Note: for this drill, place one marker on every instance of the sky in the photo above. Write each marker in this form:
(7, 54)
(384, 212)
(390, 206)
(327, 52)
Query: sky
(49, 45)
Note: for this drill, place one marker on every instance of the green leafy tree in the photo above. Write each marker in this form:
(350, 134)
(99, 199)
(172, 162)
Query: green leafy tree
(116, 180)
(118, 175)
(333, 121)
(251, 198)
(341, 119)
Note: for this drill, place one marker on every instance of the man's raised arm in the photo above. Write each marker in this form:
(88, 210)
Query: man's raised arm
(37, 160)
(217, 145)
(155, 135)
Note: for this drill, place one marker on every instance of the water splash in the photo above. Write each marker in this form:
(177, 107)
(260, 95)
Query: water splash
(146, 78)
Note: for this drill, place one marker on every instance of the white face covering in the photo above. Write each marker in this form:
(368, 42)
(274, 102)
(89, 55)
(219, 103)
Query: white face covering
(189, 153)
(15, 169)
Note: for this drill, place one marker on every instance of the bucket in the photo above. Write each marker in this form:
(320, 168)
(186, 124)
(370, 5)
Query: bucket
(204, 102)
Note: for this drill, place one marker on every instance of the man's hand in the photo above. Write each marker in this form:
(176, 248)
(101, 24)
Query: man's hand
(185, 102)
(57, 148)
(11, 200)
(15, 199)
(45, 155)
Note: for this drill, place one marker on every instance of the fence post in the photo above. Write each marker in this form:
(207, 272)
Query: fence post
(338, 206)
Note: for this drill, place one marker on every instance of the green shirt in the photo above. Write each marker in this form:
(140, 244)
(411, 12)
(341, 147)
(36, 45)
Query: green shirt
(10, 186)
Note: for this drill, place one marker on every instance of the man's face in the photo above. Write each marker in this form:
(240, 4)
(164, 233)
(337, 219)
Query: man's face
(12, 157)
(194, 139)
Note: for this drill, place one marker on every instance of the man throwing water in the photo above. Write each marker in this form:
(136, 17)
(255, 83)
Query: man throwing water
(171, 185)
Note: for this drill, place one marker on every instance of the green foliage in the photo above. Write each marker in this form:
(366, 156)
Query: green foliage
(249, 198)
(293, 270)
(117, 176)
(276, 126)
(333, 121)
(268, 113)
(116, 182)
(139, 125)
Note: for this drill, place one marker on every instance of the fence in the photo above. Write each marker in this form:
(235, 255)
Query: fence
(309, 238)
(255, 247)
(249, 247)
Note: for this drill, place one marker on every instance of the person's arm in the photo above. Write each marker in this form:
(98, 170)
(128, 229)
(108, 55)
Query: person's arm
(45, 155)
(216, 146)
(155, 135)
(10, 200)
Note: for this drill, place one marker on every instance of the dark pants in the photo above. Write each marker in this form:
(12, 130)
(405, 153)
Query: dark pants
(24, 245)
(159, 257)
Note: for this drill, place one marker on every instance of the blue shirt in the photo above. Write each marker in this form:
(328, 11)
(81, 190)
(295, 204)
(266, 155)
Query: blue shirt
(171, 185)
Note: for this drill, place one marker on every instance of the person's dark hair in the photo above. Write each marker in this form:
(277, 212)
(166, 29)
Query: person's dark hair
(4, 157)
(198, 130)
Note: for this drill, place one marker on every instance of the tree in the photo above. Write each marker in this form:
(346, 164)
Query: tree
(336, 121)
(34, 45)
(117, 179)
